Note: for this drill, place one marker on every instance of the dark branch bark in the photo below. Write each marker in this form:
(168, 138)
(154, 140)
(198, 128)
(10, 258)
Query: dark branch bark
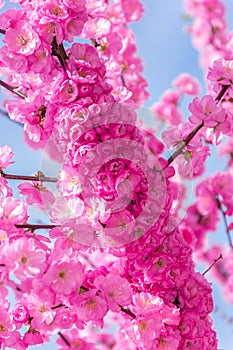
(60, 52)
(39, 178)
(12, 89)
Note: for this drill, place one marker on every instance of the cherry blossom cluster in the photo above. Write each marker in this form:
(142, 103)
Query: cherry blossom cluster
(113, 268)
(151, 282)
(209, 30)
(51, 76)
(211, 37)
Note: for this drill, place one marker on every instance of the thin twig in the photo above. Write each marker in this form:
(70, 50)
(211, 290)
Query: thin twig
(57, 306)
(39, 178)
(34, 227)
(184, 144)
(64, 339)
(60, 52)
(123, 80)
(12, 89)
(195, 131)
(127, 311)
(222, 92)
(213, 263)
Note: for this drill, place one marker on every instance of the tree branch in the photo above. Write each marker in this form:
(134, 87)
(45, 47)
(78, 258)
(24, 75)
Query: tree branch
(213, 263)
(39, 178)
(64, 339)
(127, 311)
(60, 52)
(185, 143)
(195, 131)
(34, 227)
(57, 306)
(222, 92)
(12, 89)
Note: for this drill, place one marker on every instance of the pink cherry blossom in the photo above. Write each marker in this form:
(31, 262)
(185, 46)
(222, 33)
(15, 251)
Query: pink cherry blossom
(5, 155)
(40, 308)
(97, 27)
(187, 84)
(11, 17)
(115, 289)
(168, 111)
(55, 10)
(20, 313)
(221, 73)
(75, 25)
(64, 277)
(69, 183)
(6, 322)
(133, 10)
(36, 193)
(75, 5)
(25, 258)
(12, 211)
(5, 190)
(67, 92)
(32, 337)
(91, 307)
(206, 110)
(22, 38)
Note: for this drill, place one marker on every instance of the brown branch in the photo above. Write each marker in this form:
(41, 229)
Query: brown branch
(64, 339)
(222, 92)
(57, 306)
(123, 80)
(84, 288)
(127, 311)
(40, 178)
(195, 131)
(185, 143)
(34, 227)
(213, 263)
(60, 52)
(12, 89)
(2, 31)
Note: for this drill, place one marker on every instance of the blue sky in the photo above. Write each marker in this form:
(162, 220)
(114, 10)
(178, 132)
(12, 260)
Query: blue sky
(167, 52)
